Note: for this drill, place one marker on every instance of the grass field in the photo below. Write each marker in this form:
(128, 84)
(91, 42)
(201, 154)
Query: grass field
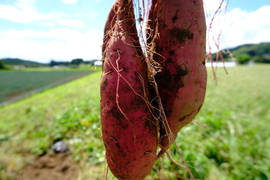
(16, 84)
(234, 144)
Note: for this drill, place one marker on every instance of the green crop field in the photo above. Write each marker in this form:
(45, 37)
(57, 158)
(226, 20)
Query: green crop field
(234, 143)
(16, 84)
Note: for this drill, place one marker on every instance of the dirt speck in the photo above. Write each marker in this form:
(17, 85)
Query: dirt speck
(181, 35)
(175, 17)
(171, 52)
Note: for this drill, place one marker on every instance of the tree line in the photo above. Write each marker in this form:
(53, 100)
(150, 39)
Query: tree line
(9, 63)
(258, 53)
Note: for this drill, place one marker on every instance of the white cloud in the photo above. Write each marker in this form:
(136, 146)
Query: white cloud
(243, 27)
(69, 1)
(239, 27)
(24, 11)
(212, 6)
(71, 23)
(60, 44)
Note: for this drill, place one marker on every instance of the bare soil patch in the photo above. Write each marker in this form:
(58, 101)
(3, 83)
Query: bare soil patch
(51, 166)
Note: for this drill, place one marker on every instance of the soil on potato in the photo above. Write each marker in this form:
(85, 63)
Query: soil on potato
(51, 166)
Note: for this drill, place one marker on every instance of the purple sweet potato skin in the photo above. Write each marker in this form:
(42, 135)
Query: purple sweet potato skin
(180, 49)
(129, 130)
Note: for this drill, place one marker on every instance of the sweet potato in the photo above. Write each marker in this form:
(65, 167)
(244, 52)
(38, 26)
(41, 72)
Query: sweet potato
(129, 130)
(110, 22)
(180, 49)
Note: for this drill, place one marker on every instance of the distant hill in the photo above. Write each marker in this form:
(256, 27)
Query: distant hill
(252, 49)
(21, 62)
(257, 52)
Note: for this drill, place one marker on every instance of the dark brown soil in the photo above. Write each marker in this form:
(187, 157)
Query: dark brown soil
(51, 167)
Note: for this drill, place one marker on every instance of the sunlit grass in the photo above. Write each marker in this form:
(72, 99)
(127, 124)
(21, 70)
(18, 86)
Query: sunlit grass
(236, 140)
(234, 144)
(26, 127)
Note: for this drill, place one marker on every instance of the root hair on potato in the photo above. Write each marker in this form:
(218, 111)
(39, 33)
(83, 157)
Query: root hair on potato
(216, 39)
(144, 41)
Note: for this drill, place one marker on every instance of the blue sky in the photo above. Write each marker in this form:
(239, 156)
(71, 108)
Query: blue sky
(248, 5)
(42, 30)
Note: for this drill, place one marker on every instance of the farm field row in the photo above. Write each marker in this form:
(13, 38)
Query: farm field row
(233, 145)
(15, 85)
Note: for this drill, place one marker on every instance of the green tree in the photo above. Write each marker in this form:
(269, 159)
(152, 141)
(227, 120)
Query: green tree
(2, 65)
(258, 59)
(53, 63)
(243, 58)
(76, 61)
